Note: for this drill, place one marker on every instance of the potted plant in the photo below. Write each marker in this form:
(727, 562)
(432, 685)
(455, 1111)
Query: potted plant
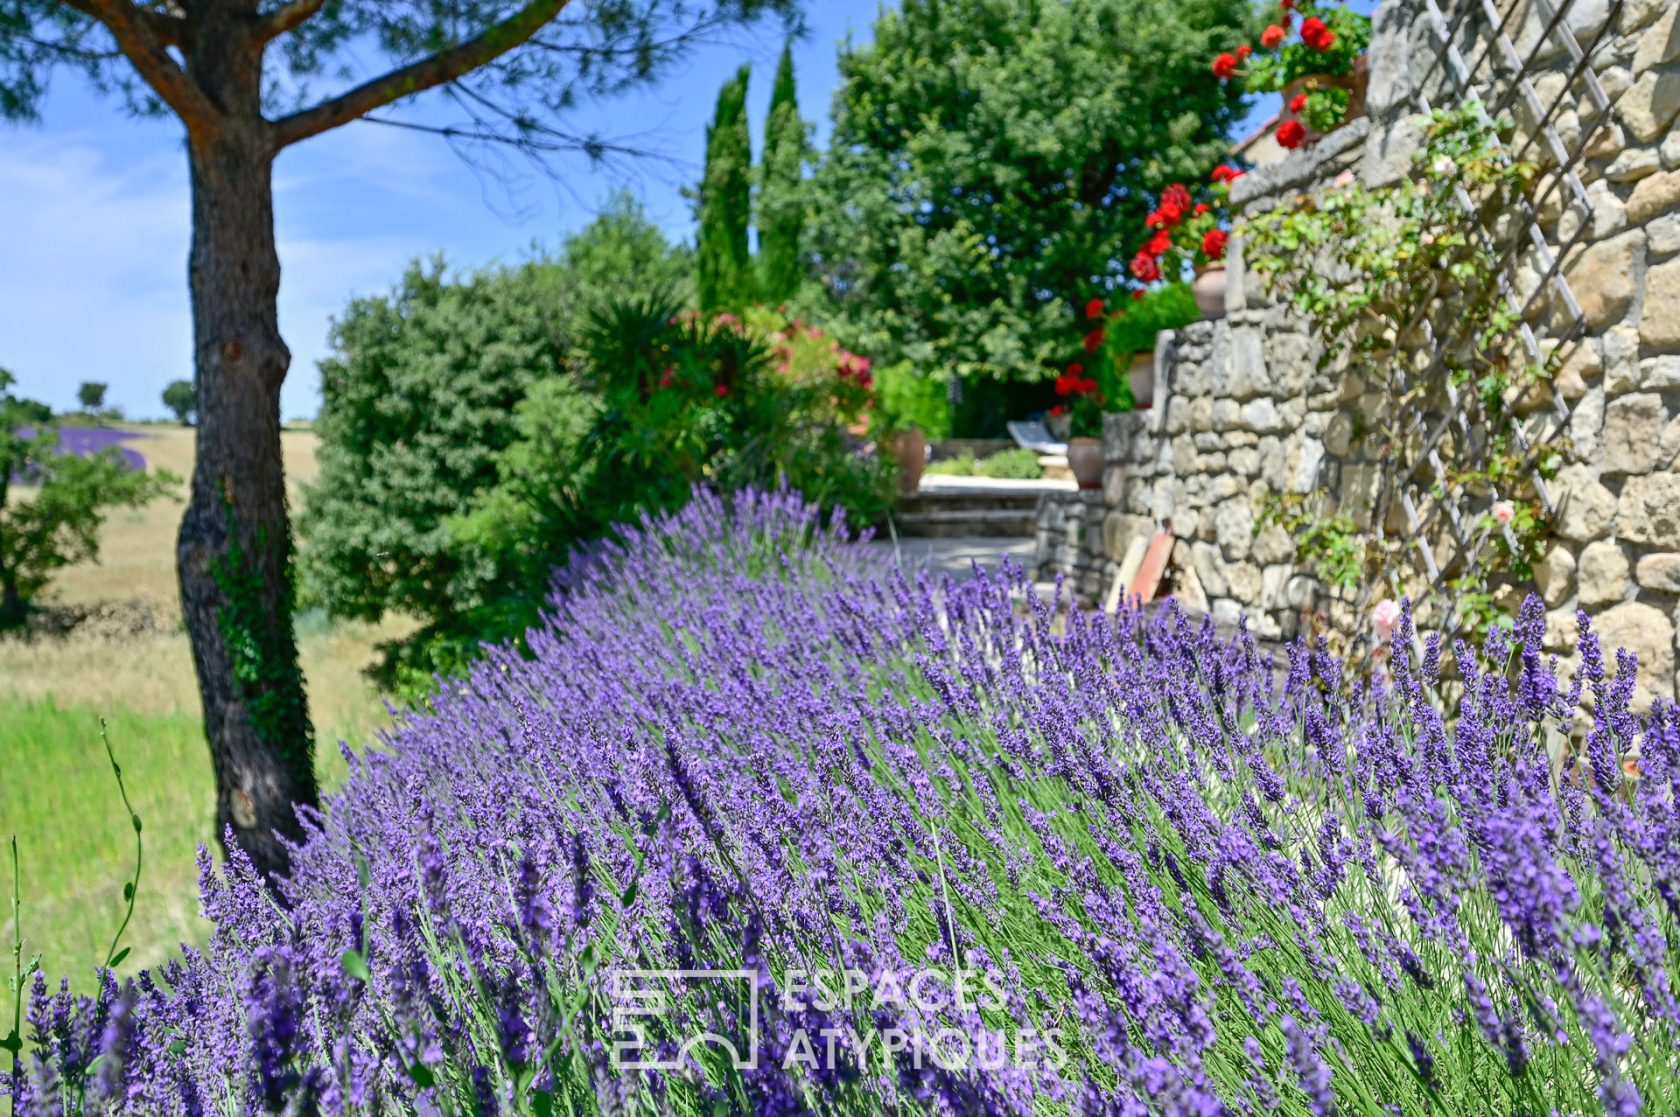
(1316, 62)
(1186, 232)
(1131, 336)
(1082, 402)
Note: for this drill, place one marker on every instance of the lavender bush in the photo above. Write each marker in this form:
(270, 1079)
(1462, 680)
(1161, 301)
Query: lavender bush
(1203, 887)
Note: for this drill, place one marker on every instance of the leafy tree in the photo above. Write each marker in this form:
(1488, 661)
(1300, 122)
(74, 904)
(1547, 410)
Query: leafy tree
(992, 163)
(91, 395)
(181, 398)
(781, 194)
(416, 403)
(56, 522)
(616, 255)
(723, 260)
(242, 77)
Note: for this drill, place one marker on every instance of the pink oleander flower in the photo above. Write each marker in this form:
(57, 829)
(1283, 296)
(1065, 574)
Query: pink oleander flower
(1504, 512)
(1344, 180)
(1385, 616)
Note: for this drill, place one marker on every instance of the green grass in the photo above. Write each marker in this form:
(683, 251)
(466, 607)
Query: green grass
(75, 845)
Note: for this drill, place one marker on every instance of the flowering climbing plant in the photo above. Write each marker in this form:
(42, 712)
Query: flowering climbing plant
(1309, 53)
(1186, 230)
(1403, 286)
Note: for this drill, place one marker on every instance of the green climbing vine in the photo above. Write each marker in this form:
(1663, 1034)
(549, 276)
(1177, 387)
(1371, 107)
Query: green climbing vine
(1401, 283)
(263, 655)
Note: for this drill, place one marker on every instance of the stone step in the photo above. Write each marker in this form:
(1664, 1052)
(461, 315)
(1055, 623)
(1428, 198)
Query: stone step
(997, 522)
(927, 502)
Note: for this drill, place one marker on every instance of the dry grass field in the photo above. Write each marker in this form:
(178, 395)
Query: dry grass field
(56, 791)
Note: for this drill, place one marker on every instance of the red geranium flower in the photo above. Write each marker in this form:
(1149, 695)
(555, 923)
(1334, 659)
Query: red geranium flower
(1137, 294)
(1298, 102)
(1225, 173)
(1291, 134)
(1158, 244)
(1094, 340)
(1058, 410)
(1201, 208)
(1225, 65)
(1244, 51)
(1315, 34)
(1272, 36)
(1094, 308)
(1144, 268)
(1213, 245)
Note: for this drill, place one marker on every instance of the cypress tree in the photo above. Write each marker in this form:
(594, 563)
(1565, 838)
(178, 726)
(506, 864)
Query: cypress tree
(781, 200)
(724, 262)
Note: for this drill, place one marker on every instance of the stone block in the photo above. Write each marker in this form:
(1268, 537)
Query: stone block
(1209, 567)
(1649, 107)
(1662, 236)
(1584, 19)
(1585, 507)
(1586, 425)
(1632, 429)
(1233, 526)
(1660, 43)
(1272, 544)
(1659, 572)
(1633, 165)
(1562, 629)
(1648, 632)
(1262, 416)
(1654, 196)
(1242, 581)
(1554, 575)
(1659, 321)
(1649, 510)
(1604, 278)
(1602, 575)
(1389, 152)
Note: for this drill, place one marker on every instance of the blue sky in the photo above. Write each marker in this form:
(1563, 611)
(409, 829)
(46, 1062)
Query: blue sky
(94, 229)
(94, 264)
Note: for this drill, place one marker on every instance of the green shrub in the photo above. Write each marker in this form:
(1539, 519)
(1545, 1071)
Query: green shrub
(962, 465)
(906, 398)
(1017, 465)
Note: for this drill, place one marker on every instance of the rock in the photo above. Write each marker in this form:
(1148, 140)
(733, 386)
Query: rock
(1632, 426)
(1585, 507)
(1585, 18)
(1554, 575)
(1659, 374)
(1662, 236)
(1261, 416)
(1659, 572)
(1649, 510)
(1654, 196)
(1660, 44)
(1586, 424)
(1649, 108)
(1607, 141)
(1273, 544)
(1602, 575)
(1632, 165)
(1561, 630)
(1205, 560)
(1233, 526)
(1647, 632)
(1581, 363)
(1389, 151)
(1659, 321)
(1242, 581)
(1637, 13)
(1603, 278)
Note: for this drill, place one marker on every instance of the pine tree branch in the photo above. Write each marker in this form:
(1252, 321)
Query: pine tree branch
(428, 73)
(144, 36)
(286, 17)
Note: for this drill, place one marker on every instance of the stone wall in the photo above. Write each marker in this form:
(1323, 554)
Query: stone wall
(1069, 531)
(1245, 410)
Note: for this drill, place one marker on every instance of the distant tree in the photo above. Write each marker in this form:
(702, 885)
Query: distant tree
(242, 76)
(723, 262)
(992, 163)
(181, 398)
(58, 523)
(618, 254)
(781, 189)
(91, 395)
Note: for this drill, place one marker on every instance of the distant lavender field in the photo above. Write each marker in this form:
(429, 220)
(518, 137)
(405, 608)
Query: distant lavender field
(83, 441)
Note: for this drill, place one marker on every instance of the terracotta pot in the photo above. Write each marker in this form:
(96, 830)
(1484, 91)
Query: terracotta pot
(1209, 291)
(909, 449)
(1141, 377)
(1085, 458)
(1355, 83)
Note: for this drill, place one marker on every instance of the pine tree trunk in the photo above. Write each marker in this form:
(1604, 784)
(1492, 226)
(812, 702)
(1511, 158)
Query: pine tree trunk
(234, 550)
